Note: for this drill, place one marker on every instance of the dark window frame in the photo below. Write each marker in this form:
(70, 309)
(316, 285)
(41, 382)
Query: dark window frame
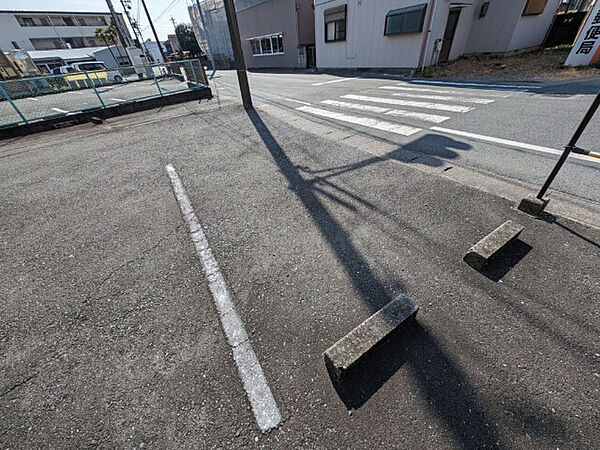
(336, 23)
(28, 22)
(534, 7)
(422, 8)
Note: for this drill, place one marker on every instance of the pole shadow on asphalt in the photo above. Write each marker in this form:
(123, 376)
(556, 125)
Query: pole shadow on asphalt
(449, 393)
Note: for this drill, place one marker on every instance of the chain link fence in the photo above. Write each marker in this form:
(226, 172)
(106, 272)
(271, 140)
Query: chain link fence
(29, 99)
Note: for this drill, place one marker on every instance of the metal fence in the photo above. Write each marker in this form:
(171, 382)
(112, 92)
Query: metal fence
(29, 99)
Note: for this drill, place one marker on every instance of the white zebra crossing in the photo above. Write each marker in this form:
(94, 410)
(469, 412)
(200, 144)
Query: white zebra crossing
(443, 91)
(448, 98)
(391, 127)
(392, 112)
(415, 104)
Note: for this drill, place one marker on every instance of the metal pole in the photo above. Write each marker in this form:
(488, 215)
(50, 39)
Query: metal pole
(3, 92)
(95, 90)
(162, 54)
(570, 146)
(208, 49)
(238, 53)
(193, 69)
(118, 25)
(156, 81)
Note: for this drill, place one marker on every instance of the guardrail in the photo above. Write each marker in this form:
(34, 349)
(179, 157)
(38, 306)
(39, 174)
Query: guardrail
(25, 100)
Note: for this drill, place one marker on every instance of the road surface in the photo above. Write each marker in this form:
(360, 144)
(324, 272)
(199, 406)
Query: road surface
(171, 278)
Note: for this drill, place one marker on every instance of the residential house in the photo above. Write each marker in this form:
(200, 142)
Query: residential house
(410, 34)
(274, 33)
(277, 33)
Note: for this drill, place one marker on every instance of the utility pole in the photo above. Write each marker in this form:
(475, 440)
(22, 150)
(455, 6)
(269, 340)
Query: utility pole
(136, 29)
(238, 53)
(118, 25)
(162, 53)
(205, 32)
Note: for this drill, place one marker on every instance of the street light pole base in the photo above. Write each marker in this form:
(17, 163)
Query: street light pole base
(532, 205)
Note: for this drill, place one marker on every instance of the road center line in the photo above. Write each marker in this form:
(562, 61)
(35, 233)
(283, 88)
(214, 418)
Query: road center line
(509, 143)
(333, 81)
(255, 384)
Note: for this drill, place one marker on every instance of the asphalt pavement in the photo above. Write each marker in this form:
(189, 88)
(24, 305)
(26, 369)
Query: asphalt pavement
(111, 337)
(534, 114)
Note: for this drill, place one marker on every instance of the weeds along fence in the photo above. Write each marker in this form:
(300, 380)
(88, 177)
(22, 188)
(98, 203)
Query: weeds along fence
(26, 100)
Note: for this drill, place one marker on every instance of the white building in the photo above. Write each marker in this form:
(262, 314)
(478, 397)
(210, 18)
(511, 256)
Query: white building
(45, 30)
(409, 34)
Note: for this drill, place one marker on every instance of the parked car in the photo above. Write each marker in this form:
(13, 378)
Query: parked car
(98, 71)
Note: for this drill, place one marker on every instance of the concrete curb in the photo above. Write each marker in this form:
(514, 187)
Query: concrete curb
(358, 343)
(478, 255)
(94, 115)
(532, 205)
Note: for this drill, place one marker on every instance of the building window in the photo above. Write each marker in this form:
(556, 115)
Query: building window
(15, 45)
(335, 24)
(81, 21)
(534, 7)
(68, 21)
(44, 21)
(267, 45)
(27, 22)
(405, 20)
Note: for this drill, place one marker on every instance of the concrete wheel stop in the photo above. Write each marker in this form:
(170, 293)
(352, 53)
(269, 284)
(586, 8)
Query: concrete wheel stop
(492, 245)
(346, 353)
(532, 205)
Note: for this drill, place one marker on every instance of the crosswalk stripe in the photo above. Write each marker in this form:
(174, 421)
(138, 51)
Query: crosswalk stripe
(392, 112)
(377, 109)
(461, 83)
(417, 115)
(425, 105)
(364, 121)
(481, 101)
(441, 91)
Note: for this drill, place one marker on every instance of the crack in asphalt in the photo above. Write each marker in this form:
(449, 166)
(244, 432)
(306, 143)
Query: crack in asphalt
(19, 384)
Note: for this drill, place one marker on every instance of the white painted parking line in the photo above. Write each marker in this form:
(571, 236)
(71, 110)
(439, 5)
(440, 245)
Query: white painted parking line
(357, 106)
(425, 105)
(448, 98)
(34, 99)
(118, 99)
(255, 384)
(403, 87)
(295, 101)
(509, 143)
(417, 115)
(59, 110)
(457, 83)
(333, 81)
(364, 121)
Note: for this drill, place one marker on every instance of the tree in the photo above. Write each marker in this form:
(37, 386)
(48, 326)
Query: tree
(187, 39)
(102, 33)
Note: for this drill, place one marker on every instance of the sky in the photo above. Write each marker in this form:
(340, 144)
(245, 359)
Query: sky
(160, 11)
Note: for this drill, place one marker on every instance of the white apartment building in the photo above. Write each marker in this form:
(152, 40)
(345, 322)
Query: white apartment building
(47, 30)
(410, 34)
